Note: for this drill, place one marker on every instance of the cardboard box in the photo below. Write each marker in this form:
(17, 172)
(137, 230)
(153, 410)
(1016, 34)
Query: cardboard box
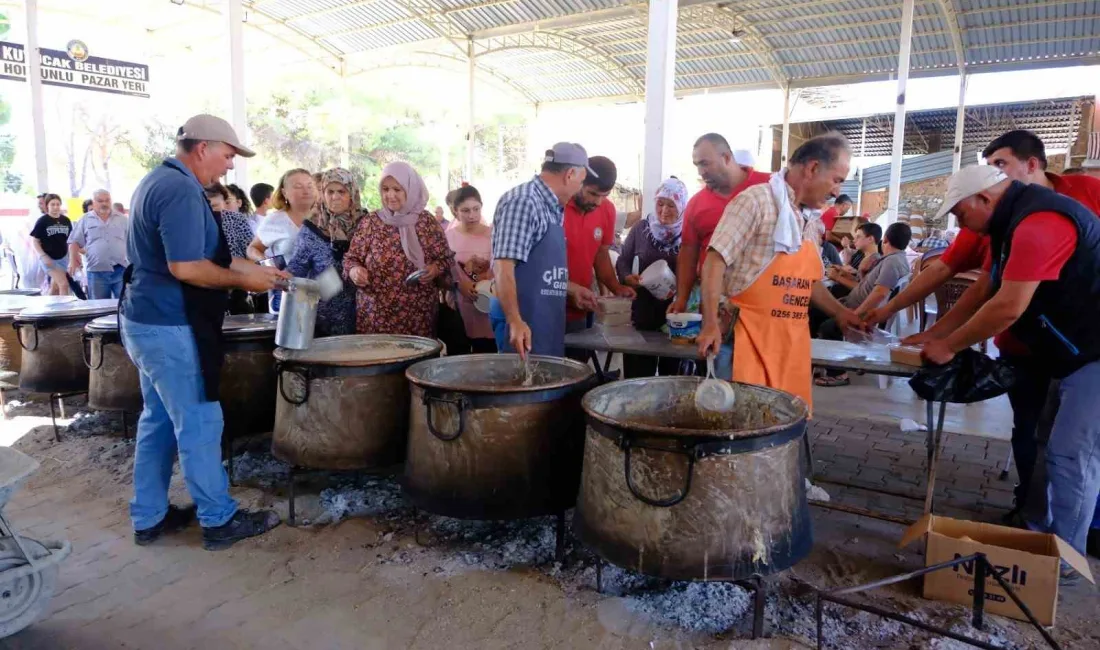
(908, 355)
(844, 226)
(1028, 561)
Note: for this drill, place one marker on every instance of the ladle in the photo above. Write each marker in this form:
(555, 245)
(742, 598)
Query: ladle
(714, 394)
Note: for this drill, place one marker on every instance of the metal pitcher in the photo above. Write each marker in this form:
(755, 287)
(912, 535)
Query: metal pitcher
(297, 314)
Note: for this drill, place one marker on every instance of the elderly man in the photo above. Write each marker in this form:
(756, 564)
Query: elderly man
(530, 264)
(764, 259)
(1045, 275)
(101, 236)
(171, 325)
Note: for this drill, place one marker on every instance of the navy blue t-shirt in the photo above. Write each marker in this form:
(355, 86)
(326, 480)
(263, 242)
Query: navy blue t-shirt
(170, 221)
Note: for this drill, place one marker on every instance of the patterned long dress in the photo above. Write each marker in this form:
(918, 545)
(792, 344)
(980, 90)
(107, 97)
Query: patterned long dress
(387, 305)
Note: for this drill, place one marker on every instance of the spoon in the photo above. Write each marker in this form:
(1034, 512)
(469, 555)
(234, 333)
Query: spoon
(528, 376)
(714, 394)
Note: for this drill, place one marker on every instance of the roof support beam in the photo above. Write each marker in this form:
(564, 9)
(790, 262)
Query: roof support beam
(430, 59)
(575, 47)
(726, 15)
(660, 81)
(899, 114)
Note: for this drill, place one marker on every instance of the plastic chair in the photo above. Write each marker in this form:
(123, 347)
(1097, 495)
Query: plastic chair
(923, 262)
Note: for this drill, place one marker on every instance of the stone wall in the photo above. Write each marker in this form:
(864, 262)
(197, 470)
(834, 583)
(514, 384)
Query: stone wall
(925, 197)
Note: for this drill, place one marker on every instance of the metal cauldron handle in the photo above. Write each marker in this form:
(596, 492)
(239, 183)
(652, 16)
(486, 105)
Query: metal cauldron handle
(626, 443)
(19, 335)
(86, 351)
(281, 368)
(460, 403)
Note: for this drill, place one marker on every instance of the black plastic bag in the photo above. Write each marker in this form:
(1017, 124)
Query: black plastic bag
(970, 377)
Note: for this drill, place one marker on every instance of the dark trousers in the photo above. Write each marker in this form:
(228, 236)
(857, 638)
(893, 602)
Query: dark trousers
(483, 346)
(636, 365)
(828, 330)
(1028, 397)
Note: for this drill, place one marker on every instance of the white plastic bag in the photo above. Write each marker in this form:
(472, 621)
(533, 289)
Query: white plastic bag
(659, 280)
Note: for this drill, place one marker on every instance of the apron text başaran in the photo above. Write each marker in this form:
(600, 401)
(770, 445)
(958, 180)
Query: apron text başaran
(772, 333)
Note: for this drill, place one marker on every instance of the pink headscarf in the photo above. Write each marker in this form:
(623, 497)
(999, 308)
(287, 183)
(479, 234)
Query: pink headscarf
(416, 197)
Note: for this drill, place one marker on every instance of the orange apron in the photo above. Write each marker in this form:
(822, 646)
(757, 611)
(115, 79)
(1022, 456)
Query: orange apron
(771, 338)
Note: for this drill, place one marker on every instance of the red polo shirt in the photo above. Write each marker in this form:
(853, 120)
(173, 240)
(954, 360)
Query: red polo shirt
(585, 233)
(829, 218)
(704, 211)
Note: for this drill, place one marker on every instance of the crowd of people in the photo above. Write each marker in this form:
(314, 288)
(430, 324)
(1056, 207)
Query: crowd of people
(758, 254)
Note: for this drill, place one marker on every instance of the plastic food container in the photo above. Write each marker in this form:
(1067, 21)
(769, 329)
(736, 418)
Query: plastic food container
(683, 328)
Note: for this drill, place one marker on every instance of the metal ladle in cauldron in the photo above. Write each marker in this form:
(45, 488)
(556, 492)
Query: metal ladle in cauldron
(713, 394)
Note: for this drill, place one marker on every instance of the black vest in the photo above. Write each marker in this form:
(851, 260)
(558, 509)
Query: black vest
(1061, 326)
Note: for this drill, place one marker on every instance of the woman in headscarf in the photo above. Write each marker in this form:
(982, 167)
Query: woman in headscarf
(399, 259)
(323, 241)
(657, 237)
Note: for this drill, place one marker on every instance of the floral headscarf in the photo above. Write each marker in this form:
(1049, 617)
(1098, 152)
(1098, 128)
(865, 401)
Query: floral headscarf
(338, 227)
(416, 198)
(667, 237)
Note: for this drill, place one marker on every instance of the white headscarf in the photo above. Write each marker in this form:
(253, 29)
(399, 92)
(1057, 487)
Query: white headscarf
(416, 197)
(668, 236)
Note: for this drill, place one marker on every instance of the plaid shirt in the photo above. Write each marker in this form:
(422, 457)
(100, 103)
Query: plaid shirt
(932, 243)
(522, 217)
(745, 237)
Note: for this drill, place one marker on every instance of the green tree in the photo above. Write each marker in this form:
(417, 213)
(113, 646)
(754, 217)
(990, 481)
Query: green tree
(12, 181)
(152, 144)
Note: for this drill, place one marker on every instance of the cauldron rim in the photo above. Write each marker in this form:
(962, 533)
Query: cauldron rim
(699, 435)
(301, 357)
(415, 375)
(68, 311)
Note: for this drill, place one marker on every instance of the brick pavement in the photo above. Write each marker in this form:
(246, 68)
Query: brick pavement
(865, 454)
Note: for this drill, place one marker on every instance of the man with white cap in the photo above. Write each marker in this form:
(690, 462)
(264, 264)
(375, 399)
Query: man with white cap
(1045, 272)
(1021, 155)
(530, 265)
(175, 295)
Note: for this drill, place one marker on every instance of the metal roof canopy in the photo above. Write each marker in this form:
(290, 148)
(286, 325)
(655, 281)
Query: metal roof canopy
(1055, 121)
(567, 50)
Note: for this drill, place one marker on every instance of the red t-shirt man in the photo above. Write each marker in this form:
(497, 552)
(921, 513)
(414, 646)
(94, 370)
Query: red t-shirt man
(585, 233)
(1047, 239)
(704, 211)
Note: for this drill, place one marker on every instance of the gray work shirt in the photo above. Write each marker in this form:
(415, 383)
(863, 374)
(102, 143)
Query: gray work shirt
(104, 242)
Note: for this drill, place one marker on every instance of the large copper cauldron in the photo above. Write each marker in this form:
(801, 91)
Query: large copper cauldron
(485, 444)
(53, 350)
(343, 404)
(247, 392)
(671, 492)
(12, 302)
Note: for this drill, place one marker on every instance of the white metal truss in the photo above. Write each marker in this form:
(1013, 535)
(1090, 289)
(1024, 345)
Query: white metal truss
(567, 45)
(727, 16)
(431, 59)
(952, 23)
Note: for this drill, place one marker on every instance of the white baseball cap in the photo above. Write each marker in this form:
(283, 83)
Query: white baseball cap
(744, 158)
(967, 182)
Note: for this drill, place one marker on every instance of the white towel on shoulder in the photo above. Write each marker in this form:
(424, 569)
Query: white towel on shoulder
(788, 230)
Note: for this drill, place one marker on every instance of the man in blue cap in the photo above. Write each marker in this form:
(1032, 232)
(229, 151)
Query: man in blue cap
(530, 263)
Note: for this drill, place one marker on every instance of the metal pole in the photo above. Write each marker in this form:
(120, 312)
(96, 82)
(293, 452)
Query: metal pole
(234, 16)
(470, 128)
(862, 154)
(659, 80)
(960, 126)
(899, 113)
(345, 117)
(34, 82)
(784, 145)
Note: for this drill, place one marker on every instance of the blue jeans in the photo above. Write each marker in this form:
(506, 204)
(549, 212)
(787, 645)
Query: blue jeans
(105, 284)
(723, 362)
(1073, 458)
(176, 418)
